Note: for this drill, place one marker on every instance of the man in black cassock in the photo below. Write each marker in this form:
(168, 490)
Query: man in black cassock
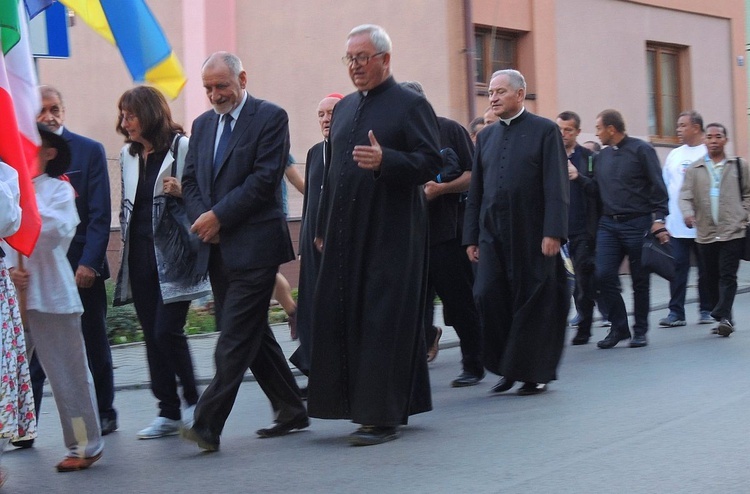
(450, 274)
(315, 166)
(516, 220)
(368, 355)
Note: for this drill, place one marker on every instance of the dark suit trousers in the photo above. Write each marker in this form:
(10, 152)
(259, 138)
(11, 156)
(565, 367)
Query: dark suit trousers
(94, 328)
(452, 277)
(246, 341)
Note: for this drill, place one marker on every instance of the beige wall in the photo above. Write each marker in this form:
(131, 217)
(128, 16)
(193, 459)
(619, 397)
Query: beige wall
(584, 55)
(611, 72)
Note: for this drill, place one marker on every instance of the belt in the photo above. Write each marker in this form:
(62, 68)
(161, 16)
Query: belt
(620, 218)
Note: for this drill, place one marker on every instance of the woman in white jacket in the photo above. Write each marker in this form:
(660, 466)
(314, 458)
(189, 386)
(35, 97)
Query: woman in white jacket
(53, 308)
(153, 139)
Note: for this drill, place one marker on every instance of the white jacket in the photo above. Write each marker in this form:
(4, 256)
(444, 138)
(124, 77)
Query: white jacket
(10, 211)
(52, 285)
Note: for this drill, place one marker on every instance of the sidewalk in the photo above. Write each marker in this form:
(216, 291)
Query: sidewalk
(131, 371)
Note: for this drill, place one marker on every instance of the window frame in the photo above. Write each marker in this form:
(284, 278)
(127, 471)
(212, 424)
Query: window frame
(655, 89)
(485, 34)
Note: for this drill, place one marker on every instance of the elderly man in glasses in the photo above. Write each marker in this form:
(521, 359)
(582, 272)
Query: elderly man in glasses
(368, 355)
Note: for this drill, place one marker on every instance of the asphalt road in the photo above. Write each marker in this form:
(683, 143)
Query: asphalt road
(669, 418)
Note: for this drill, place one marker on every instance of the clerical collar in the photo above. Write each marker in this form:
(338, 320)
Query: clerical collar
(386, 84)
(507, 121)
(621, 142)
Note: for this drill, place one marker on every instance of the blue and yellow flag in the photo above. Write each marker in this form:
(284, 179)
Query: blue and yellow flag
(131, 26)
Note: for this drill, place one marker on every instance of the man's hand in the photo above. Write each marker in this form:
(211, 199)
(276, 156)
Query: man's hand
(690, 221)
(432, 190)
(20, 278)
(473, 252)
(572, 171)
(172, 187)
(663, 235)
(85, 277)
(206, 226)
(550, 246)
(369, 157)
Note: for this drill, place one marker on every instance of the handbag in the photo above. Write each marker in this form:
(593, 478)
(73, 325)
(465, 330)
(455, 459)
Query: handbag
(176, 247)
(746, 250)
(657, 257)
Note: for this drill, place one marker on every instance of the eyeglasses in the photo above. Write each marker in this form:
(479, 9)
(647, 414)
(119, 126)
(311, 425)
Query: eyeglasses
(360, 59)
(128, 117)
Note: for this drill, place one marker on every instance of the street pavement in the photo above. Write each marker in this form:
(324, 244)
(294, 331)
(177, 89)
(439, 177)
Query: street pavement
(668, 418)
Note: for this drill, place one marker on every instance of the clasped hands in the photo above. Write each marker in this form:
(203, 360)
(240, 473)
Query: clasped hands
(207, 227)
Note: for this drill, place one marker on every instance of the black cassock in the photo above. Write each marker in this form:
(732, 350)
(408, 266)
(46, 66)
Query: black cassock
(518, 195)
(369, 356)
(309, 256)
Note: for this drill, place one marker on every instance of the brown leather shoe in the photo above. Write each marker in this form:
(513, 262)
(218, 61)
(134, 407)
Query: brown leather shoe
(435, 348)
(72, 464)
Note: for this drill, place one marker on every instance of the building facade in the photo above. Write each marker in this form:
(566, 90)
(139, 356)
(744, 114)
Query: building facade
(649, 59)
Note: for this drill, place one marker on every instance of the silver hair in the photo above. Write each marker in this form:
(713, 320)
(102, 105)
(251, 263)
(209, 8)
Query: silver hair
(515, 78)
(230, 60)
(414, 86)
(46, 91)
(379, 38)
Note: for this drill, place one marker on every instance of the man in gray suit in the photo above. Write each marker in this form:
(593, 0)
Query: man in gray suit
(233, 168)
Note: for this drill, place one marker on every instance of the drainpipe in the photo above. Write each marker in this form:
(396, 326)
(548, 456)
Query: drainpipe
(469, 52)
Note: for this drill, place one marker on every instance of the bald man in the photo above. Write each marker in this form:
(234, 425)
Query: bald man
(315, 166)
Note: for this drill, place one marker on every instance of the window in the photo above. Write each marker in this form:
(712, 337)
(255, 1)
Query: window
(495, 50)
(667, 89)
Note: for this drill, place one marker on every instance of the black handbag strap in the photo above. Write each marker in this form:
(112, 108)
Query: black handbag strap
(175, 151)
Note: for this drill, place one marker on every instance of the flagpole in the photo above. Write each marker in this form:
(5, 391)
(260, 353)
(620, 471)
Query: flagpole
(21, 295)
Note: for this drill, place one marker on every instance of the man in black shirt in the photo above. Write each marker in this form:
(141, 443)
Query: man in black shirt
(634, 200)
(583, 216)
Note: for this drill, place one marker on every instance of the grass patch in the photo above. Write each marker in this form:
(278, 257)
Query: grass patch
(123, 325)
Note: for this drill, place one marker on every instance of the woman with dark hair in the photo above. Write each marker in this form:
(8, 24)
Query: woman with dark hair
(152, 161)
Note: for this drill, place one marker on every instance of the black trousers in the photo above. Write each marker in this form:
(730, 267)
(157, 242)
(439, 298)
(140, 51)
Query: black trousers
(451, 276)
(98, 352)
(721, 261)
(246, 341)
(584, 264)
(163, 325)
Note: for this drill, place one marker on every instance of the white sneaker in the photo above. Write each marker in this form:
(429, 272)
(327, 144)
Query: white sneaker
(187, 417)
(160, 427)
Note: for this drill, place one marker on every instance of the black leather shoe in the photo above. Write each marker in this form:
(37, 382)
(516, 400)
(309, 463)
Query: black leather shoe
(502, 385)
(108, 426)
(467, 379)
(612, 339)
(201, 438)
(580, 339)
(529, 389)
(284, 428)
(370, 435)
(638, 341)
(23, 443)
